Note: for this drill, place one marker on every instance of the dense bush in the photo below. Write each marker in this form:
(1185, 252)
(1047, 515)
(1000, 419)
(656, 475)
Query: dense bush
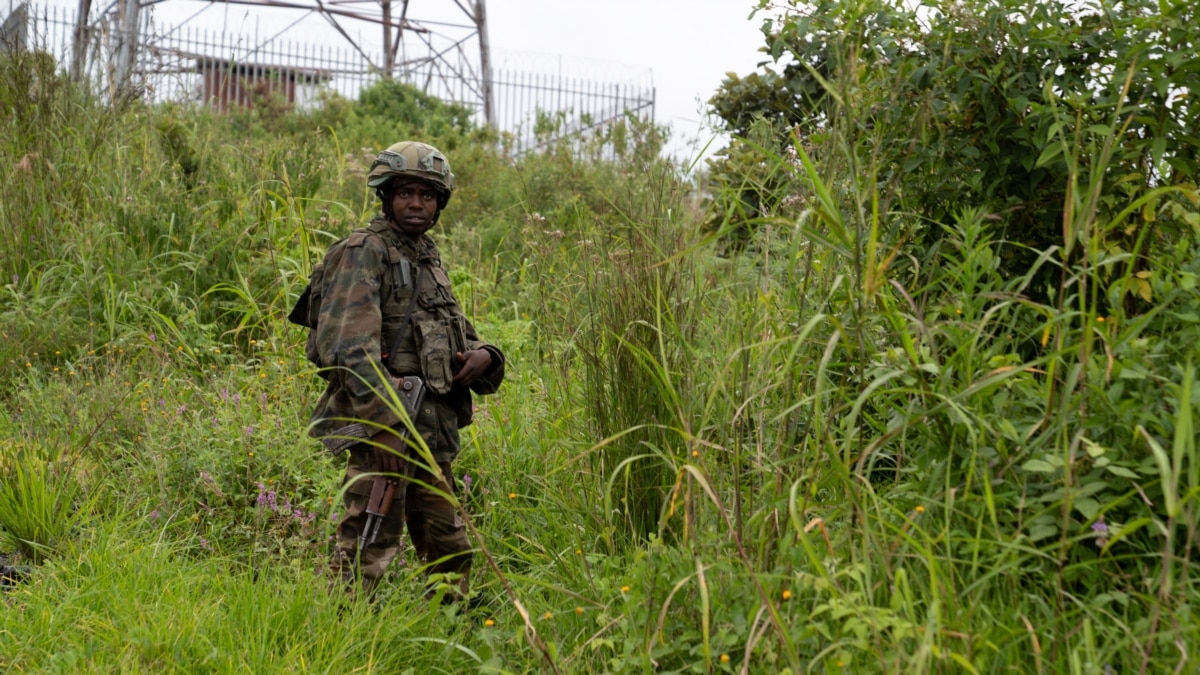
(830, 447)
(982, 103)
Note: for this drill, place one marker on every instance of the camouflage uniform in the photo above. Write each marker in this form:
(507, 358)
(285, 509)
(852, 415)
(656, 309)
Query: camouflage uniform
(363, 290)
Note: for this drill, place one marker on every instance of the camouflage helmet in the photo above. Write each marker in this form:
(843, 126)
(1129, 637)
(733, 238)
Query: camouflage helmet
(413, 160)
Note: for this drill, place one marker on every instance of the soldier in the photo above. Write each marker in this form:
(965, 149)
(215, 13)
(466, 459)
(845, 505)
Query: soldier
(384, 289)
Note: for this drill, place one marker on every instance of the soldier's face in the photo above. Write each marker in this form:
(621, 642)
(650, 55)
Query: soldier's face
(414, 206)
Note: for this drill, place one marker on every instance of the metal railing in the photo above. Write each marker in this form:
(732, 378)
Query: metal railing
(193, 65)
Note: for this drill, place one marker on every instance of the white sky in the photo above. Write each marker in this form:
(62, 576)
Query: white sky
(687, 45)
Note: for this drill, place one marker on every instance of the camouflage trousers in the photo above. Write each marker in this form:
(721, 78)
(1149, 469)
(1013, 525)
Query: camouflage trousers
(437, 532)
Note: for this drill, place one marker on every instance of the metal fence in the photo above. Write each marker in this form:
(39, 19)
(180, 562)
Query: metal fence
(198, 66)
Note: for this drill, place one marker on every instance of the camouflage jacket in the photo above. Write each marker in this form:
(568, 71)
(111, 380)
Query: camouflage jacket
(363, 289)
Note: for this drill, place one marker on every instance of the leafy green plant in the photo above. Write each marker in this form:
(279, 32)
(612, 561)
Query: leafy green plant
(964, 104)
(832, 446)
(41, 500)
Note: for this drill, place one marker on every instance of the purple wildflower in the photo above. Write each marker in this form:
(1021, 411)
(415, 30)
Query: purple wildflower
(1101, 529)
(152, 337)
(271, 503)
(161, 402)
(261, 501)
(204, 544)
(154, 514)
(224, 394)
(250, 430)
(237, 398)
(466, 481)
(181, 409)
(263, 398)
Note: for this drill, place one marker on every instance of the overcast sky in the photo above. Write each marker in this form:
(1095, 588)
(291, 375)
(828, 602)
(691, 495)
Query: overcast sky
(688, 44)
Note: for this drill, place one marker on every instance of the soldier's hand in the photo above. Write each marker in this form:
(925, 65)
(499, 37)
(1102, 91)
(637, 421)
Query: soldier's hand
(474, 364)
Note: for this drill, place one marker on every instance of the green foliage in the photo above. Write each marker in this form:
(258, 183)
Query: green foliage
(829, 451)
(413, 110)
(976, 103)
(38, 500)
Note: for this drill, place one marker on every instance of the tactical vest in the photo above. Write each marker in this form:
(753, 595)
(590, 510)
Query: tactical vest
(435, 333)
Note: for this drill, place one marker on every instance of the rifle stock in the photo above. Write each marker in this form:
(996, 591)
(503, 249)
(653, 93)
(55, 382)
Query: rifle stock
(391, 462)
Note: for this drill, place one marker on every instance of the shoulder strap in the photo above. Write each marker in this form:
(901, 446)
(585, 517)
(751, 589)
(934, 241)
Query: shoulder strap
(412, 303)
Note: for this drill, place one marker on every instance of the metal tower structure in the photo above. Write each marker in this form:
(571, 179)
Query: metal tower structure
(431, 43)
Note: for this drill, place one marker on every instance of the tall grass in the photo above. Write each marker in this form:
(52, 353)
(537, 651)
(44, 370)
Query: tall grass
(825, 452)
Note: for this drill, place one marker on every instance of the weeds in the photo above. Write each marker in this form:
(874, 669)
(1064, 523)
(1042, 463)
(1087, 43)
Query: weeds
(827, 449)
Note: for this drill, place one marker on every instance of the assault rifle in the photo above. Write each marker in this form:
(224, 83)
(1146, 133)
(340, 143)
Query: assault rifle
(391, 462)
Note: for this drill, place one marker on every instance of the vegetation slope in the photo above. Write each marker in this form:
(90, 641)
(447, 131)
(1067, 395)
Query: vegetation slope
(818, 415)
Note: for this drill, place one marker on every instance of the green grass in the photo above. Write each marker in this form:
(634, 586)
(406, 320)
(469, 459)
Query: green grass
(812, 455)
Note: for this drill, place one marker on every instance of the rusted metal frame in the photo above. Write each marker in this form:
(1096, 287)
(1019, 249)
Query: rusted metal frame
(326, 9)
(329, 17)
(400, 32)
(485, 63)
(388, 61)
(466, 11)
(438, 57)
